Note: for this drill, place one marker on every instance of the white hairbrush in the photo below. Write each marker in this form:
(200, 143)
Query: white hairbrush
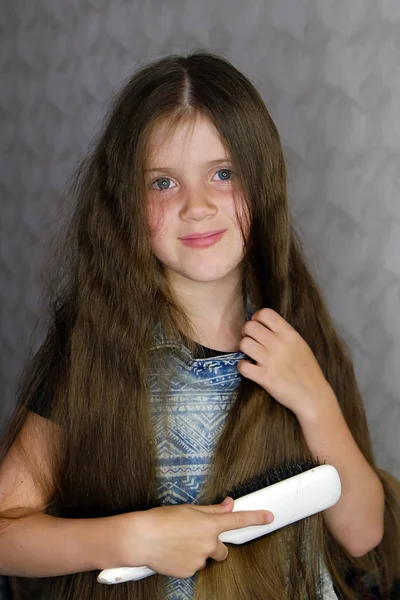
(289, 497)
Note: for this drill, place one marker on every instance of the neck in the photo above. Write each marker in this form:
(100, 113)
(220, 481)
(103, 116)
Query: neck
(216, 309)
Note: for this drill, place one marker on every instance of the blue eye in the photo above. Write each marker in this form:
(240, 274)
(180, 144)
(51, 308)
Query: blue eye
(226, 174)
(162, 184)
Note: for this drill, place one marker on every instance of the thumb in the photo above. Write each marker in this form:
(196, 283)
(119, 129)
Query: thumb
(217, 509)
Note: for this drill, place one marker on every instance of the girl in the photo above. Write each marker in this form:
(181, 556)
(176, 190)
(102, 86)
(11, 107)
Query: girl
(189, 349)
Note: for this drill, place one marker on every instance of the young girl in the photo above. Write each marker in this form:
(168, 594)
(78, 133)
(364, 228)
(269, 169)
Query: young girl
(189, 349)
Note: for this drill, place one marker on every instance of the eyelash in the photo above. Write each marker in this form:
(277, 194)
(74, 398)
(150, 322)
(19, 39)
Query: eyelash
(167, 178)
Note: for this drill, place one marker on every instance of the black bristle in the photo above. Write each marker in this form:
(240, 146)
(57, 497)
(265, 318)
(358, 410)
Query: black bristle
(284, 471)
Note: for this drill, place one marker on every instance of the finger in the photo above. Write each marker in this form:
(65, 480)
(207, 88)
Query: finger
(271, 319)
(221, 552)
(202, 567)
(216, 509)
(253, 349)
(254, 372)
(258, 332)
(243, 518)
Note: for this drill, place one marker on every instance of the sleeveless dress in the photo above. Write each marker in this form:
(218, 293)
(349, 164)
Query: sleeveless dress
(196, 416)
(196, 408)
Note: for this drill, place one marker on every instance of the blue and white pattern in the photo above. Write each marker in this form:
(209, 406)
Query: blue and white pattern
(188, 424)
(196, 415)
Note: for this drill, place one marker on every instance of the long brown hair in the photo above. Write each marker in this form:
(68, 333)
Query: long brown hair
(95, 362)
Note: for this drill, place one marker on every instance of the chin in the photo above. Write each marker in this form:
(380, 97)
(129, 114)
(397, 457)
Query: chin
(205, 274)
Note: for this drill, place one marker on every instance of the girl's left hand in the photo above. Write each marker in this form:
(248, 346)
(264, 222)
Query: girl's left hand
(285, 364)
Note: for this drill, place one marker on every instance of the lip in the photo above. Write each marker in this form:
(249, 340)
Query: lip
(196, 236)
(204, 241)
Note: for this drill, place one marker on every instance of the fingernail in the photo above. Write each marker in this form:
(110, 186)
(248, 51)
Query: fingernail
(269, 517)
(226, 501)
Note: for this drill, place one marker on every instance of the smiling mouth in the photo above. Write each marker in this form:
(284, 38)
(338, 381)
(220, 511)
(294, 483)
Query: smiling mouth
(203, 242)
(196, 236)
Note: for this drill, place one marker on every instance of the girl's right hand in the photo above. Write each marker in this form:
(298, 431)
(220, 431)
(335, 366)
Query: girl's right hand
(177, 540)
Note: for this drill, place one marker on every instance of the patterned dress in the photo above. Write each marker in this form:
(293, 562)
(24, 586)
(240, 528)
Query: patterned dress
(196, 415)
(187, 430)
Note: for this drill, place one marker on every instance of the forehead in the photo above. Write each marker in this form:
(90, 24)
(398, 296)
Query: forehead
(186, 140)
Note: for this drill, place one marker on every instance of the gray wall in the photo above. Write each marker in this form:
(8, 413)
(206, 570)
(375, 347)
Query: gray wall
(329, 74)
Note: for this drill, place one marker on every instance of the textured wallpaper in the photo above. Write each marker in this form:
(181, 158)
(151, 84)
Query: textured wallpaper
(329, 73)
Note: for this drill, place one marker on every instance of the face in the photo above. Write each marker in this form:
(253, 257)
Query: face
(190, 187)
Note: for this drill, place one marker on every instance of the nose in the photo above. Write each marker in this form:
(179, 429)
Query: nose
(198, 204)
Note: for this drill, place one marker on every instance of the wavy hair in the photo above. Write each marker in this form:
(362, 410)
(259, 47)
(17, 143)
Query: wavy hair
(94, 359)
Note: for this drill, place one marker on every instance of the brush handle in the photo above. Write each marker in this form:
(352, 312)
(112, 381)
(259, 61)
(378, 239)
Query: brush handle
(122, 574)
(289, 500)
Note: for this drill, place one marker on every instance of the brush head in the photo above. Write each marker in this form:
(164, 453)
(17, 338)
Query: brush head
(270, 477)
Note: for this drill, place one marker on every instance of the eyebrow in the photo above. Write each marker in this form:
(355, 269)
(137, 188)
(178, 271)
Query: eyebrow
(210, 163)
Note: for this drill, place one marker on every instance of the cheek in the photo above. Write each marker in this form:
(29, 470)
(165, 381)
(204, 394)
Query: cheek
(241, 216)
(157, 218)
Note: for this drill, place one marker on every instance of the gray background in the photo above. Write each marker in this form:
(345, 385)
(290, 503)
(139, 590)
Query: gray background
(329, 73)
